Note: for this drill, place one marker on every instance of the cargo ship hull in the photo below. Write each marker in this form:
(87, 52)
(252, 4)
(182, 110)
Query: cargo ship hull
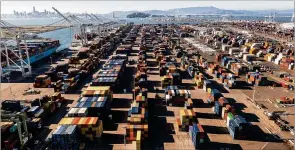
(43, 55)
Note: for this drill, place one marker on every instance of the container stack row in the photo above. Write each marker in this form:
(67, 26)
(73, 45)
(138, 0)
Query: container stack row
(187, 122)
(251, 49)
(94, 104)
(187, 118)
(137, 126)
(65, 137)
(197, 134)
(90, 128)
(256, 78)
(176, 96)
(213, 95)
(111, 72)
(237, 126)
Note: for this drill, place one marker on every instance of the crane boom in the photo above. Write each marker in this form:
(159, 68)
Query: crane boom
(90, 16)
(75, 19)
(61, 14)
(96, 17)
(78, 19)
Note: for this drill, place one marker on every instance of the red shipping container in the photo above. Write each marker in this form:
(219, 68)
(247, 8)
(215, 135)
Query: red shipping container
(252, 78)
(222, 101)
(283, 98)
(228, 107)
(201, 131)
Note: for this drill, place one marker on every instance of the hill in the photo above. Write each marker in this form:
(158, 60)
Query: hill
(202, 10)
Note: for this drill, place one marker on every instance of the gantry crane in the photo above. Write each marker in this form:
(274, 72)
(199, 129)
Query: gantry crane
(102, 26)
(91, 17)
(14, 60)
(20, 119)
(99, 25)
(82, 25)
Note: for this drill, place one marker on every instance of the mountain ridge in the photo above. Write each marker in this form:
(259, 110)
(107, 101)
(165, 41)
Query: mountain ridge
(202, 10)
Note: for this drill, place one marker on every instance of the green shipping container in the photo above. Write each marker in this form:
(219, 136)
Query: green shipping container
(46, 107)
(230, 115)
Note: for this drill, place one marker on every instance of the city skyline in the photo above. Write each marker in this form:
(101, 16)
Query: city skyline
(35, 13)
(103, 7)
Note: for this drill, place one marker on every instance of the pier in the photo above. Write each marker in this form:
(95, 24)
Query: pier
(30, 29)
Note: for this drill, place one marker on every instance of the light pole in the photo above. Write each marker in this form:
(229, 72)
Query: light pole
(125, 135)
(51, 60)
(8, 79)
(253, 96)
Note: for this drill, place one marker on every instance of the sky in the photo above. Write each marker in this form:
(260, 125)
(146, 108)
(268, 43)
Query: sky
(102, 7)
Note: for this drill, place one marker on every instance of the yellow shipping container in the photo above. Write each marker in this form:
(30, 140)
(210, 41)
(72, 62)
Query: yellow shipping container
(253, 51)
(266, 56)
(66, 121)
(83, 130)
(98, 88)
(186, 115)
(62, 121)
(145, 127)
(138, 136)
(81, 121)
(91, 122)
(208, 90)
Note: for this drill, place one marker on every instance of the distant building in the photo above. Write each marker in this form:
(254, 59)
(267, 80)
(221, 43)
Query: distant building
(34, 10)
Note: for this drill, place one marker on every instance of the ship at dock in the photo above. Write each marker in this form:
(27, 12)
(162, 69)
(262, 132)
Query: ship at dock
(37, 49)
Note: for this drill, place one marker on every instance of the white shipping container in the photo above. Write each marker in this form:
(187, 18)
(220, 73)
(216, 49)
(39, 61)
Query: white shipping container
(247, 40)
(222, 112)
(280, 56)
(225, 47)
(72, 110)
(39, 112)
(231, 75)
(217, 43)
(245, 50)
(291, 66)
(277, 61)
(242, 54)
(82, 112)
(168, 97)
(234, 50)
(173, 93)
(204, 88)
(259, 54)
(255, 45)
(231, 82)
(186, 94)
